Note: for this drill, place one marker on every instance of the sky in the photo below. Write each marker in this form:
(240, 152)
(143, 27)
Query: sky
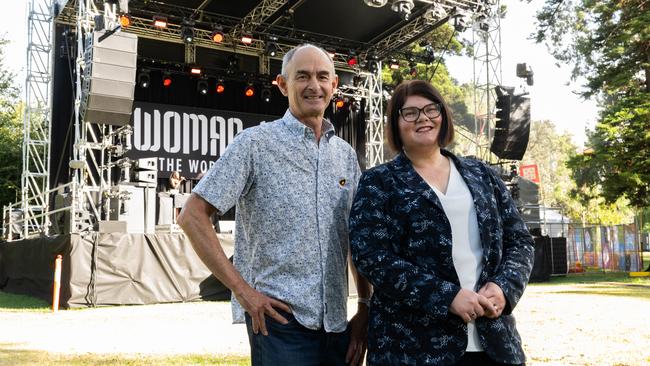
(551, 98)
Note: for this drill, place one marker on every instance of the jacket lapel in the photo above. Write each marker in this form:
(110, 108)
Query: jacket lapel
(407, 174)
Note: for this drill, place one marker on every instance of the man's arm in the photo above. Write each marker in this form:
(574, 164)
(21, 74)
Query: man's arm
(195, 221)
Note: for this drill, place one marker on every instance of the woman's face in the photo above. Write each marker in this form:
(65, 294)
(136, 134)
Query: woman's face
(418, 131)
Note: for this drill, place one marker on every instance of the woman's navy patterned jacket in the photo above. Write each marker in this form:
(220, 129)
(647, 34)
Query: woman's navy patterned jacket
(401, 242)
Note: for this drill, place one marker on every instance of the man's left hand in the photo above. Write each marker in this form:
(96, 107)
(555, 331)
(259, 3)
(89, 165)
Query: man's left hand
(358, 337)
(495, 295)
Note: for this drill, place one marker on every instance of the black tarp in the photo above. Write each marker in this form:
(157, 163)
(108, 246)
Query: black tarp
(109, 269)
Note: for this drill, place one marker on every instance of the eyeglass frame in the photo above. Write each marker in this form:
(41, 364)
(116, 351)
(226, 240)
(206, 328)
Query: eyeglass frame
(421, 111)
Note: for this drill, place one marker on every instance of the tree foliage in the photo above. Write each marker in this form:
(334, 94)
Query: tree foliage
(10, 135)
(608, 45)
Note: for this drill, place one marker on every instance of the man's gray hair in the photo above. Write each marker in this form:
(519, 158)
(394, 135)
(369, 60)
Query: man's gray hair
(289, 56)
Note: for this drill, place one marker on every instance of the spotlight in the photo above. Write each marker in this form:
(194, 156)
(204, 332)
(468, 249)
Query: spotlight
(394, 64)
(217, 35)
(375, 3)
(195, 70)
(125, 20)
(460, 20)
(202, 87)
(159, 22)
(340, 103)
(435, 13)
(352, 60)
(187, 34)
(249, 91)
(266, 95)
(246, 39)
(167, 80)
(143, 79)
(271, 48)
(403, 7)
(220, 87)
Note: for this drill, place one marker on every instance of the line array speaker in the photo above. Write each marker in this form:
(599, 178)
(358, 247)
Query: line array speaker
(109, 78)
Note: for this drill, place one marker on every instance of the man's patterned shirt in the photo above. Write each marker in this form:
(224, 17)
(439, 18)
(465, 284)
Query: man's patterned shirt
(292, 196)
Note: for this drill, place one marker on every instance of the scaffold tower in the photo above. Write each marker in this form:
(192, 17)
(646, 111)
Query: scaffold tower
(37, 117)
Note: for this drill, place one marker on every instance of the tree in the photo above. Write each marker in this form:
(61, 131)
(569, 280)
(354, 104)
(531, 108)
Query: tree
(608, 44)
(10, 135)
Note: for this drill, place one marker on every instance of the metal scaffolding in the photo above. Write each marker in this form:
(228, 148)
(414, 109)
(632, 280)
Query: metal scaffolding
(375, 121)
(486, 43)
(37, 116)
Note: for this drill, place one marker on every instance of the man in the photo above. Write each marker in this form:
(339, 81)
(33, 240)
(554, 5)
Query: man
(293, 182)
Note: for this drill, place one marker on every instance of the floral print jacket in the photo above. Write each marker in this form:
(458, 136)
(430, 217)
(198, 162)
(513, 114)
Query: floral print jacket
(401, 242)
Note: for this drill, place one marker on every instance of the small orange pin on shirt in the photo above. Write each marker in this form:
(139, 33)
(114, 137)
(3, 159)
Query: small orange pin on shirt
(342, 182)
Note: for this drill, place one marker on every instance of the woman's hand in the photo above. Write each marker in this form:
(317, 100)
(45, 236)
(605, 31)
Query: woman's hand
(494, 294)
(469, 305)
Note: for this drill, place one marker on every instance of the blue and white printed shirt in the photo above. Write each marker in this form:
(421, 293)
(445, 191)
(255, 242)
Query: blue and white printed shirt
(293, 196)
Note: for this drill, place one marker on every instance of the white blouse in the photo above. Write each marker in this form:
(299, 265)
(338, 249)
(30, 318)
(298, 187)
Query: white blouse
(467, 251)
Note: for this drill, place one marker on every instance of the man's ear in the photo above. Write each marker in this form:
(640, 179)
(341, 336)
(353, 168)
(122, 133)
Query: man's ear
(335, 83)
(282, 84)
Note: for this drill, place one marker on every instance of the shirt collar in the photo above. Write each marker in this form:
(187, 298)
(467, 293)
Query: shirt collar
(300, 129)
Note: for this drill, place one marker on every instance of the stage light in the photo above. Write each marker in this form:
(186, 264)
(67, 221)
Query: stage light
(195, 70)
(143, 79)
(394, 64)
(159, 22)
(202, 87)
(246, 39)
(271, 49)
(375, 3)
(187, 34)
(403, 7)
(340, 103)
(217, 35)
(220, 87)
(167, 80)
(266, 95)
(125, 20)
(352, 60)
(249, 91)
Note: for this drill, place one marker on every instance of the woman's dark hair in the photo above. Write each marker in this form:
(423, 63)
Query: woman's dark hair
(423, 89)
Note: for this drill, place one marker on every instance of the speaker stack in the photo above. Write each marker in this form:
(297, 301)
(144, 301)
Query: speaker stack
(109, 78)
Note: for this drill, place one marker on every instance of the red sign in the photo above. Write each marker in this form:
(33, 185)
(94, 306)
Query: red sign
(530, 172)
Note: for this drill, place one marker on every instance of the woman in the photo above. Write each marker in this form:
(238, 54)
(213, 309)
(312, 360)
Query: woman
(442, 242)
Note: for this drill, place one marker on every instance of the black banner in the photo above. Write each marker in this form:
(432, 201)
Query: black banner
(185, 139)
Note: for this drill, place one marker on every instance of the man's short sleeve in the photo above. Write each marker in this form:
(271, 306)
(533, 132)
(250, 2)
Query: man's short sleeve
(231, 175)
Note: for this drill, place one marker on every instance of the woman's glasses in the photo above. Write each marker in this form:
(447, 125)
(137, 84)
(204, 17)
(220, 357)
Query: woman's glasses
(411, 114)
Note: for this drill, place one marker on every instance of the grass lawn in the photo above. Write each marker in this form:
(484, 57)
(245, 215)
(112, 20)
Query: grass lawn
(22, 303)
(10, 356)
(601, 283)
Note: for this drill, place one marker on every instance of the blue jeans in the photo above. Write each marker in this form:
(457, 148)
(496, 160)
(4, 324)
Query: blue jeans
(294, 345)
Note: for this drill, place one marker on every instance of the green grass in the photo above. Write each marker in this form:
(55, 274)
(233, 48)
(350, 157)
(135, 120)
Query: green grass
(12, 302)
(9, 355)
(600, 283)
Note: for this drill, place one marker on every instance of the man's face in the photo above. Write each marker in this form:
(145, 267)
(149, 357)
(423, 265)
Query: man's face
(309, 84)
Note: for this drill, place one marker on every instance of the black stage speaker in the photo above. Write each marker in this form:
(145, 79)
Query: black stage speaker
(542, 266)
(109, 78)
(559, 256)
(512, 128)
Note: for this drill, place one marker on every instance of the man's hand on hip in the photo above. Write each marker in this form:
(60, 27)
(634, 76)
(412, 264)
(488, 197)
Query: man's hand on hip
(257, 305)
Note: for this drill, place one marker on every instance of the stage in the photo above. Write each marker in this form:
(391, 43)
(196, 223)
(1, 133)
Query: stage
(111, 269)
